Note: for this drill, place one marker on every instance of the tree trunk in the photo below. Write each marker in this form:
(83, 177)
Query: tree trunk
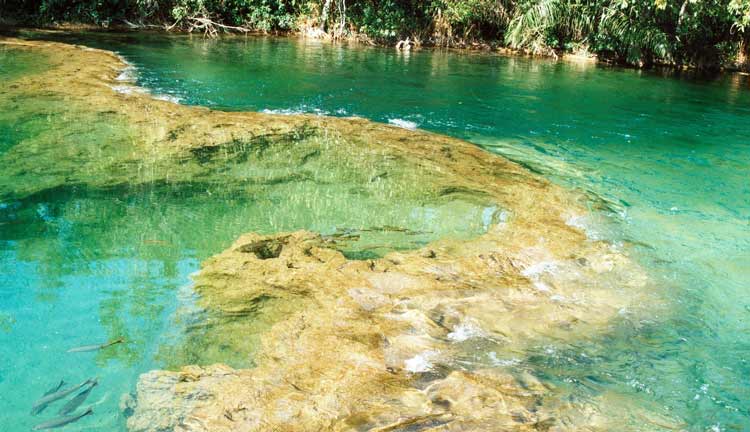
(324, 15)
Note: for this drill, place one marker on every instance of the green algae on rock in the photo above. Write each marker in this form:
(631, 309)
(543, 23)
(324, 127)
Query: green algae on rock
(393, 341)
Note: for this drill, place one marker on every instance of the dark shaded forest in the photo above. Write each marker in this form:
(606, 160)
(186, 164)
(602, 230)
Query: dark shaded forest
(696, 33)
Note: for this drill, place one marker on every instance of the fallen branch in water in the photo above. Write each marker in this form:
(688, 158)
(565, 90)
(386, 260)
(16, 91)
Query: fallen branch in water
(211, 28)
(404, 44)
(141, 25)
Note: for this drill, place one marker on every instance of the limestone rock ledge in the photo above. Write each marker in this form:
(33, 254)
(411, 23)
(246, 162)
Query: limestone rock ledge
(388, 344)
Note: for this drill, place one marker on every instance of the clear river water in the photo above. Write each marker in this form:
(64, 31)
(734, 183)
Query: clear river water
(664, 158)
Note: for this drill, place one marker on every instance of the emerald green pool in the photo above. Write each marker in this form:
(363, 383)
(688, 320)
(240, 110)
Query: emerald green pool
(665, 160)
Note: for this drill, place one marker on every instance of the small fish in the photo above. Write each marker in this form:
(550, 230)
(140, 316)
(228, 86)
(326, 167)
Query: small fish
(78, 399)
(96, 347)
(42, 403)
(64, 420)
(47, 393)
(54, 389)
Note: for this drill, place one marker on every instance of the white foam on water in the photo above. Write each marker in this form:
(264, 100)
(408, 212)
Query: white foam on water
(127, 74)
(168, 98)
(302, 109)
(127, 77)
(282, 111)
(638, 385)
(464, 331)
(420, 363)
(576, 221)
(583, 223)
(502, 362)
(405, 124)
(538, 269)
(127, 89)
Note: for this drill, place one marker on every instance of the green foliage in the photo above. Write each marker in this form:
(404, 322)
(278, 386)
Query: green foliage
(634, 32)
(697, 32)
(93, 11)
(263, 15)
(484, 19)
(704, 33)
(740, 10)
(387, 20)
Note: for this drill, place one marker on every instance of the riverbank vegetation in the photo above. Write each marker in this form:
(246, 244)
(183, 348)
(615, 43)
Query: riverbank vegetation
(699, 33)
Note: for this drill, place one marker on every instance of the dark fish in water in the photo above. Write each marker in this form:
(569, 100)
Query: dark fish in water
(42, 403)
(78, 399)
(96, 347)
(64, 420)
(40, 408)
(54, 389)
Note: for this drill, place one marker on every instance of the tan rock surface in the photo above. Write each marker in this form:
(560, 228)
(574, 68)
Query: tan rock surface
(378, 345)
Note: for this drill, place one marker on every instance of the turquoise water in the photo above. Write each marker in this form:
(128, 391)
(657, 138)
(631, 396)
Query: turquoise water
(83, 265)
(665, 159)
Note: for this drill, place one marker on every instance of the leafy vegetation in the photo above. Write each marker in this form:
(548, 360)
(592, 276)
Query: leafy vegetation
(702, 33)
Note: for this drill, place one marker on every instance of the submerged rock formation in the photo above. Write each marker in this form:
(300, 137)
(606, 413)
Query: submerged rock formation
(427, 339)
(413, 341)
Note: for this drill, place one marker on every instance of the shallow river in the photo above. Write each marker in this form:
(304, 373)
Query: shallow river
(664, 159)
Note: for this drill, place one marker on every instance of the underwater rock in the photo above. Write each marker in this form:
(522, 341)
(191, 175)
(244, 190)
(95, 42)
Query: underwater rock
(369, 345)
